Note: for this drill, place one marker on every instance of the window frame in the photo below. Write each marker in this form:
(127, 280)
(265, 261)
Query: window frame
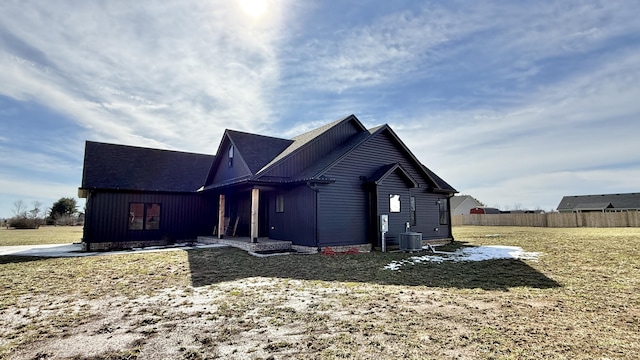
(393, 199)
(279, 203)
(150, 215)
(230, 155)
(443, 210)
(412, 211)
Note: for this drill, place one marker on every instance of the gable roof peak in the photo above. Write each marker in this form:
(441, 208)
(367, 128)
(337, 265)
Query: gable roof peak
(302, 140)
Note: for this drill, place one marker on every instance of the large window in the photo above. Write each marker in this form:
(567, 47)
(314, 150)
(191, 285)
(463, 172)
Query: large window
(144, 216)
(413, 211)
(444, 211)
(394, 203)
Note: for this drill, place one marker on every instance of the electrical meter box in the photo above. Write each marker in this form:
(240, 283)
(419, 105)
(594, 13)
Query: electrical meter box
(384, 223)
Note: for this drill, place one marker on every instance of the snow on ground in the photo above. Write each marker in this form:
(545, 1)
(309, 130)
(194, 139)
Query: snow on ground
(479, 253)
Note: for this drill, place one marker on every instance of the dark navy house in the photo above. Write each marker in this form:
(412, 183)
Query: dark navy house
(325, 188)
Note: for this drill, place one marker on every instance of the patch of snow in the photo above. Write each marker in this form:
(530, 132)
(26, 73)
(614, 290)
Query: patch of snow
(479, 253)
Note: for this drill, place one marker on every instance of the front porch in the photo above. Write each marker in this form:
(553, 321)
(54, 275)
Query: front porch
(245, 243)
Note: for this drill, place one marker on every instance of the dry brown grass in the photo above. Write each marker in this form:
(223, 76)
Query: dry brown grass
(41, 236)
(580, 300)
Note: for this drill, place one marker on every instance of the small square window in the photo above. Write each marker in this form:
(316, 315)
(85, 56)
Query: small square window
(144, 216)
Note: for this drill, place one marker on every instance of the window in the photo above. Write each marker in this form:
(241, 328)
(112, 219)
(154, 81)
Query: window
(413, 211)
(444, 211)
(231, 156)
(144, 216)
(394, 203)
(279, 203)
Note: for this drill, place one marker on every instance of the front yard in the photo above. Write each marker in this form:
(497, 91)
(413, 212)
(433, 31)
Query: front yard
(580, 299)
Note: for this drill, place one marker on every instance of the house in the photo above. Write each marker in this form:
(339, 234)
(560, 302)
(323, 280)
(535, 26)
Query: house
(461, 204)
(326, 187)
(600, 203)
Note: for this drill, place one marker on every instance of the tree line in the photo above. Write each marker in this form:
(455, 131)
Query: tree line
(62, 212)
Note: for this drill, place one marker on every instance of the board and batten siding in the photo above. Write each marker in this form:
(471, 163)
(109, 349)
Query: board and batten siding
(315, 149)
(350, 224)
(297, 223)
(182, 216)
(222, 172)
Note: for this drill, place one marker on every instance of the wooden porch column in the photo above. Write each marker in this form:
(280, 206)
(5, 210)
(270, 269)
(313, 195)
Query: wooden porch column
(255, 201)
(221, 228)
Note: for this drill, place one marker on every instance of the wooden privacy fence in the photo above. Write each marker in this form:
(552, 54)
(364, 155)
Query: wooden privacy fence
(580, 219)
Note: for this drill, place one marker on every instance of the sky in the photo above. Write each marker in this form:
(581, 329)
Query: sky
(516, 103)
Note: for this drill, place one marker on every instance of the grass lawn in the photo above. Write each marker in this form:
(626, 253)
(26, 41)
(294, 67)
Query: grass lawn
(43, 235)
(581, 299)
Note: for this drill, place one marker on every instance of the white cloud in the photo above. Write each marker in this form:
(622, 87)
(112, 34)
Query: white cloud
(146, 73)
(577, 136)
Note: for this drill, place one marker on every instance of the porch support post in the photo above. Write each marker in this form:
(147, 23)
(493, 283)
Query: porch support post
(221, 228)
(255, 201)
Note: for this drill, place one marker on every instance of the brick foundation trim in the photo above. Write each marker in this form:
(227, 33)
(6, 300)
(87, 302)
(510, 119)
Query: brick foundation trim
(346, 248)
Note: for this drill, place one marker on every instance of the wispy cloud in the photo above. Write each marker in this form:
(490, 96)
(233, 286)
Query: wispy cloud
(150, 74)
(496, 97)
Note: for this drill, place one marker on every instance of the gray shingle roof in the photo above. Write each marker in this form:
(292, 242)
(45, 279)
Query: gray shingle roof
(110, 166)
(301, 140)
(122, 167)
(257, 150)
(618, 201)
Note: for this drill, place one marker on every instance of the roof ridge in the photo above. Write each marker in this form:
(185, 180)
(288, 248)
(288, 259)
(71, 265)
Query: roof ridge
(254, 134)
(147, 148)
(302, 140)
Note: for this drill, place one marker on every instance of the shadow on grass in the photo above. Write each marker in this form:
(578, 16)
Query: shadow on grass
(11, 259)
(211, 266)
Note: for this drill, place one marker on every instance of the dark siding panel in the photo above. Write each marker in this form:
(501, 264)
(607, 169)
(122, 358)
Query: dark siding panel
(297, 222)
(428, 216)
(343, 209)
(182, 216)
(317, 148)
(394, 184)
(223, 172)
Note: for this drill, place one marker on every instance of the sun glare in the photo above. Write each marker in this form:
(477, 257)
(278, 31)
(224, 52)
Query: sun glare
(253, 8)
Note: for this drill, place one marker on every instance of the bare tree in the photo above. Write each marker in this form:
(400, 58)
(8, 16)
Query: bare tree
(19, 208)
(36, 212)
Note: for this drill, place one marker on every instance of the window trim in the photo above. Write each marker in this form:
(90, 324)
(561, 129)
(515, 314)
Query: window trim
(412, 211)
(392, 204)
(279, 203)
(443, 210)
(146, 220)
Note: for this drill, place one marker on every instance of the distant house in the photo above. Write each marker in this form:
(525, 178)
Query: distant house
(484, 210)
(461, 204)
(600, 203)
(327, 187)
